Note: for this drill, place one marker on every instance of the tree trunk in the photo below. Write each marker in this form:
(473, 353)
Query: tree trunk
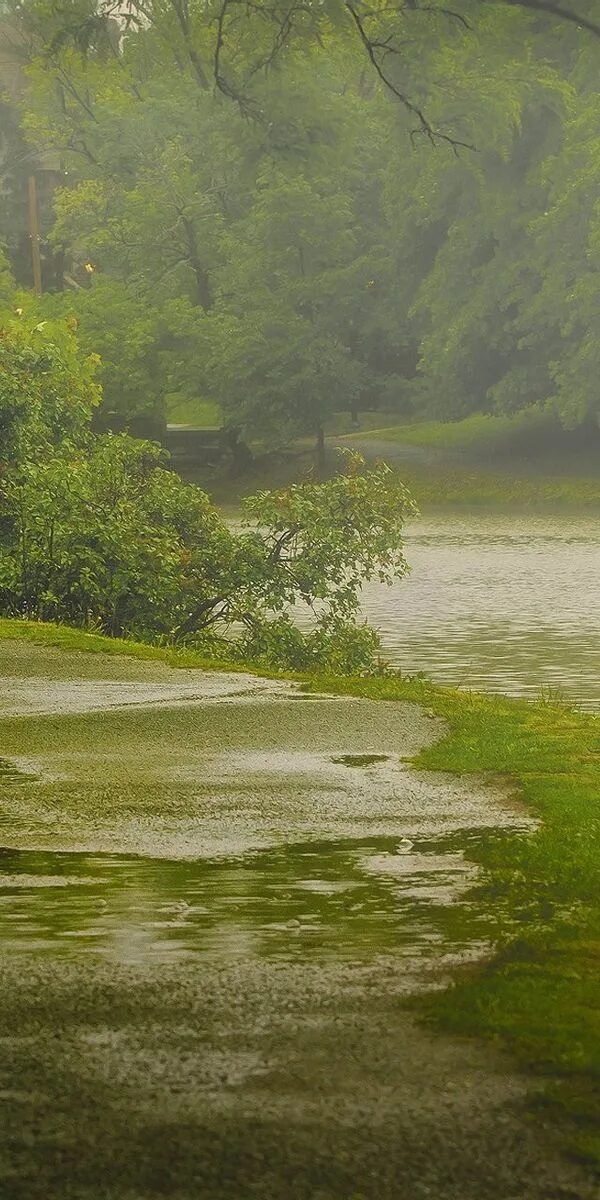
(241, 455)
(203, 292)
(320, 448)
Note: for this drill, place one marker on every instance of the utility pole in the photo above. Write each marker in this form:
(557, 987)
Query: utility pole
(34, 234)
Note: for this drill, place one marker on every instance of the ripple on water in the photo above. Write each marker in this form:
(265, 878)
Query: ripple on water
(497, 602)
(348, 900)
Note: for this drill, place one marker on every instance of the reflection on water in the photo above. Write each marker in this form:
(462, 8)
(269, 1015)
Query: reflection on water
(342, 899)
(502, 602)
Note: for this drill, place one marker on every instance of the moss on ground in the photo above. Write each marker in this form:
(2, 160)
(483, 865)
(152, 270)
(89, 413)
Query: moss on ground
(539, 994)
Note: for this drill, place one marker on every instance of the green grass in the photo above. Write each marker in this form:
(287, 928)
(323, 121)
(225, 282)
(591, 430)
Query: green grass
(539, 995)
(540, 897)
(436, 485)
(341, 422)
(65, 638)
(479, 432)
(202, 413)
(525, 460)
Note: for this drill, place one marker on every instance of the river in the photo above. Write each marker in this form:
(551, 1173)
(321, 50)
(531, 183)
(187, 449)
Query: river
(501, 602)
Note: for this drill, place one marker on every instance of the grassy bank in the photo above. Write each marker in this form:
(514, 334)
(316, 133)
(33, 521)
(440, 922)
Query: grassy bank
(531, 436)
(65, 638)
(539, 994)
(539, 901)
(434, 484)
(437, 485)
(479, 434)
(475, 463)
(526, 460)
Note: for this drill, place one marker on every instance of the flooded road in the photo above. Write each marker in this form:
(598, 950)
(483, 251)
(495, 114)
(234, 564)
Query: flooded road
(336, 900)
(501, 602)
(215, 895)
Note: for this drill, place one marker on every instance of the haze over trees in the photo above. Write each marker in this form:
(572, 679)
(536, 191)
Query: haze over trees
(341, 207)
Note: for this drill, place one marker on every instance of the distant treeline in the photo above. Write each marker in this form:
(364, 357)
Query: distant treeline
(380, 208)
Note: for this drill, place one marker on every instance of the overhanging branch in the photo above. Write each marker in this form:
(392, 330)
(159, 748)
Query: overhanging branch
(424, 126)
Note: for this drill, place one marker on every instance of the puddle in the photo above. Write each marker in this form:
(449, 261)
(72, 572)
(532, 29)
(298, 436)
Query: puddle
(360, 760)
(11, 773)
(348, 900)
(48, 696)
(207, 815)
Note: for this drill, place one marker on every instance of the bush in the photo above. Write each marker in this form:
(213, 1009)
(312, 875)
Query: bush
(95, 530)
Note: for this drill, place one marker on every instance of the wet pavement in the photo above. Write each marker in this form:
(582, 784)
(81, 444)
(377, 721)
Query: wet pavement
(215, 896)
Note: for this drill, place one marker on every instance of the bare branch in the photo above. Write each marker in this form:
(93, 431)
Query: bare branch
(424, 126)
(557, 10)
(219, 41)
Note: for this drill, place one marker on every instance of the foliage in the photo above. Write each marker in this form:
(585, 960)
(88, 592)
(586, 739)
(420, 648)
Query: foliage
(105, 534)
(96, 531)
(47, 391)
(326, 538)
(7, 284)
(272, 237)
(262, 232)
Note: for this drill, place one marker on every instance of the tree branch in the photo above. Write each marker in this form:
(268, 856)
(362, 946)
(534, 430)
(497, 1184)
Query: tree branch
(424, 126)
(557, 10)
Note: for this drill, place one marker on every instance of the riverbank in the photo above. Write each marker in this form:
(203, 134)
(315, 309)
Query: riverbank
(435, 484)
(522, 462)
(541, 893)
(539, 899)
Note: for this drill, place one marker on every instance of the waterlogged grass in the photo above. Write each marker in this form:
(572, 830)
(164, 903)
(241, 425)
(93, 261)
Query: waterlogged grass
(61, 636)
(456, 487)
(540, 994)
(541, 893)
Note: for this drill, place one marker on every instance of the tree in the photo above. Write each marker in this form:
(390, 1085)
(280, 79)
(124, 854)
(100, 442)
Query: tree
(230, 46)
(47, 392)
(96, 529)
(273, 239)
(105, 535)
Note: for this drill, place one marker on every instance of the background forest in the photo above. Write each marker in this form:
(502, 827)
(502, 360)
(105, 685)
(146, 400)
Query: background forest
(238, 211)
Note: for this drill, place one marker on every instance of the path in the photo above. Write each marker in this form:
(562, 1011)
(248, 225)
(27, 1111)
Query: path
(211, 910)
(379, 447)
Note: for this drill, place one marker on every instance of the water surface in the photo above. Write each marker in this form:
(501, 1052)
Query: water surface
(344, 900)
(502, 602)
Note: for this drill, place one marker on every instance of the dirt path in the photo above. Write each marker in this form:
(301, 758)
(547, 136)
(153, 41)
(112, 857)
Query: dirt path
(211, 912)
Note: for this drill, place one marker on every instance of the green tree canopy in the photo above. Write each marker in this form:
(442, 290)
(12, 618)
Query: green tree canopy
(249, 217)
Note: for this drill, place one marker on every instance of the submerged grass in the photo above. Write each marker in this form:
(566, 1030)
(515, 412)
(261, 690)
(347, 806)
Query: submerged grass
(539, 994)
(454, 487)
